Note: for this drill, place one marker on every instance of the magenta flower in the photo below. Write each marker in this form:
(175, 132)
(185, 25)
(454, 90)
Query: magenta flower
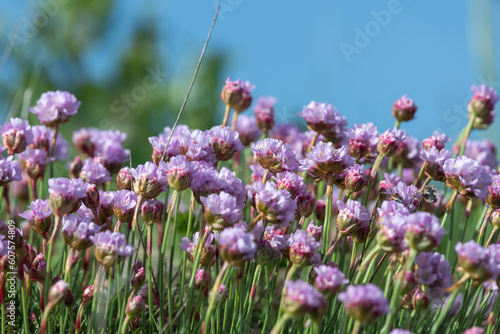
(124, 179)
(435, 161)
(159, 143)
(38, 216)
(77, 231)
(476, 261)
(363, 140)
(400, 331)
(437, 140)
(328, 280)
(151, 211)
(34, 162)
(493, 198)
(179, 172)
(483, 101)
(274, 155)
(125, 202)
(434, 272)
(355, 178)
(389, 181)
(302, 298)
(55, 107)
(149, 180)
(16, 135)
(236, 246)
(314, 230)
(42, 140)
(94, 172)
(391, 236)
(207, 251)
(225, 142)
(9, 171)
(221, 210)
(112, 155)
(364, 303)
(291, 182)
(66, 195)
(264, 112)
(110, 248)
(423, 231)
(324, 160)
(467, 177)
(404, 109)
(237, 94)
(302, 248)
(106, 203)
(305, 204)
(196, 146)
(352, 217)
(474, 330)
(389, 142)
(276, 205)
(324, 119)
(247, 128)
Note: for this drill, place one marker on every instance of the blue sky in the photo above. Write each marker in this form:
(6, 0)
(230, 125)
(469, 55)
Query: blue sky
(431, 50)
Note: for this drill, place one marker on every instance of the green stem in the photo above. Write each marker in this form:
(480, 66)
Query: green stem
(25, 306)
(188, 234)
(328, 213)
(150, 279)
(253, 292)
(172, 251)
(483, 226)
(280, 324)
(467, 133)
(213, 296)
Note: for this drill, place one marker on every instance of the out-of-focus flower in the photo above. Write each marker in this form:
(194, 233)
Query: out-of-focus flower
(302, 298)
(34, 162)
(302, 248)
(66, 195)
(9, 171)
(264, 112)
(305, 203)
(434, 272)
(391, 236)
(483, 100)
(248, 130)
(16, 135)
(324, 119)
(437, 140)
(404, 109)
(236, 246)
(352, 217)
(482, 151)
(328, 280)
(55, 107)
(355, 178)
(364, 303)
(423, 231)
(474, 330)
(467, 177)
(110, 248)
(493, 198)
(409, 196)
(42, 140)
(476, 261)
(94, 172)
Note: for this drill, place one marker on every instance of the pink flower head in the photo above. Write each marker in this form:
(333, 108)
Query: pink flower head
(324, 160)
(302, 248)
(274, 155)
(364, 303)
(328, 280)
(302, 298)
(423, 231)
(355, 178)
(389, 142)
(16, 135)
(66, 195)
(42, 140)
(276, 205)
(149, 180)
(305, 204)
(34, 162)
(404, 109)
(437, 140)
(110, 248)
(314, 230)
(483, 151)
(324, 119)
(55, 107)
(225, 142)
(264, 112)
(435, 161)
(434, 272)
(77, 232)
(292, 182)
(476, 260)
(493, 198)
(352, 217)
(363, 140)
(409, 196)
(125, 202)
(221, 210)
(94, 172)
(483, 101)
(391, 235)
(467, 177)
(207, 250)
(38, 216)
(179, 172)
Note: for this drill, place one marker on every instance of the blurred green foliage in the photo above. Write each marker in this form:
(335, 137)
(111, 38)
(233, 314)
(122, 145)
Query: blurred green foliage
(55, 56)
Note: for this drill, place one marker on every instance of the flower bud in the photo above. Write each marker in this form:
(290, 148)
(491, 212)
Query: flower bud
(302, 298)
(58, 292)
(139, 276)
(151, 211)
(237, 94)
(483, 101)
(305, 203)
(135, 306)
(389, 142)
(404, 109)
(92, 199)
(419, 300)
(124, 179)
(221, 294)
(88, 294)
(355, 179)
(314, 231)
(202, 280)
(16, 135)
(495, 218)
(408, 283)
(320, 209)
(264, 113)
(265, 252)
